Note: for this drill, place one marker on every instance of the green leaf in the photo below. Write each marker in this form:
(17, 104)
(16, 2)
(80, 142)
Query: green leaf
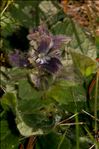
(35, 114)
(7, 139)
(65, 93)
(9, 101)
(26, 90)
(7, 25)
(80, 42)
(25, 13)
(34, 117)
(84, 64)
(16, 74)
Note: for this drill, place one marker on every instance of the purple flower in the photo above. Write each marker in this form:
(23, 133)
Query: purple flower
(47, 52)
(36, 33)
(58, 40)
(53, 65)
(45, 44)
(18, 59)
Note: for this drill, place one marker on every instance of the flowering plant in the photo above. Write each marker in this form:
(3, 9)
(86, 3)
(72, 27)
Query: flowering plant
(44, 54)
(46, 91)
(45, 49)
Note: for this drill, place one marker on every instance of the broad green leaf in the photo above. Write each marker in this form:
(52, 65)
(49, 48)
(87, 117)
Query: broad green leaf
(64, 93)
(35, 118)
(25, 13)
(66, 82)
(80, 42)
(26, 90)
(16, 74)
(9, 101)
(7, 24)
(34, 112)
(84, 64)
(10, 77)
(7, 139)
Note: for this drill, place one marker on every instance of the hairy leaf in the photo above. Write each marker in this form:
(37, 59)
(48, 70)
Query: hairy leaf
(64, 93)
(84, 64)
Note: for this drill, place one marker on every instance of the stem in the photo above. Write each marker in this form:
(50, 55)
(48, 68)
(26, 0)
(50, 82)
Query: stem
(95, 107)
(37, 14)
(77, 124)
(71, 124)
(7, 5)
(64, 121)
(31, 142)
(90, 115)
(77, 131)
(96, 101)
(63, 137)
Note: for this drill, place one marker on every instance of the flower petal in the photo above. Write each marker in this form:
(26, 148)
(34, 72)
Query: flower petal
(45, 45)
(17, 59)
(58, 40)
(52, 66)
